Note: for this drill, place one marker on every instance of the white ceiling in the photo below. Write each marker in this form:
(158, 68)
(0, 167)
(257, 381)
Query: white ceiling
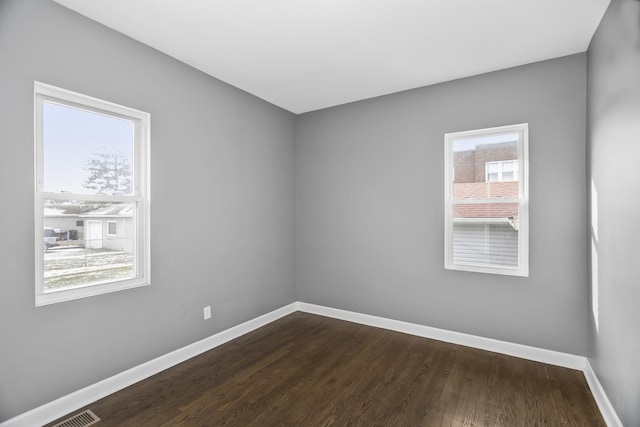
(303, 55)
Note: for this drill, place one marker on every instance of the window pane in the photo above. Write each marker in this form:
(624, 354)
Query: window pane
(486, 234)
(83, 255)
(485, 244)
(493, 177)
(480, 160)
(85, 152)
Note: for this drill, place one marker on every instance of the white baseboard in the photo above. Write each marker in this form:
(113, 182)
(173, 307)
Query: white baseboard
(518, 350)
(606, 409)
(76, 400)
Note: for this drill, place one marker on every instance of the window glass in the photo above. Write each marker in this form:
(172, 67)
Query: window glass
(86, 152)
(82, 255)
(111, 228)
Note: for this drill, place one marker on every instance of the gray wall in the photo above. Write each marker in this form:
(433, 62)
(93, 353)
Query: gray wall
(222, 220)
(368, 187)
(614, 153)
(369, 207)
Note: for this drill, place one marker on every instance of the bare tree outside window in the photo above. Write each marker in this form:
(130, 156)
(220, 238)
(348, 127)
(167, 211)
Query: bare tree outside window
(109, 173)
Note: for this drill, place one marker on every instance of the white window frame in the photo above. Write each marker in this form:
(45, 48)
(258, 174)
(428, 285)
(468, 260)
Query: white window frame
(115, 224)
(44, 92)
(523, 201)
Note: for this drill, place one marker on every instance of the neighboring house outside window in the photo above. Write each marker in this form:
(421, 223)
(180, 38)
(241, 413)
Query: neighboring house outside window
(486, 202)
(92, 188)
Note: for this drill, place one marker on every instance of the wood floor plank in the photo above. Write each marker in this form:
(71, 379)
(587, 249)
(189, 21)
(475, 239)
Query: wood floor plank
(308, 370)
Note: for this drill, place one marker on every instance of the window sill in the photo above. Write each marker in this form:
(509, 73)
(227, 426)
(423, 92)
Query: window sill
(54, 297)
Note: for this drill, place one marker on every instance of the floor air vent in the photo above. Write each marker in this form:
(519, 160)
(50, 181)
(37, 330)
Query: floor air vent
(83, 419)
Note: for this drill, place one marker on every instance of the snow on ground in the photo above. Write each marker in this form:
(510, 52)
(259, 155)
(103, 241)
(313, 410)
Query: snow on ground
(70, 267)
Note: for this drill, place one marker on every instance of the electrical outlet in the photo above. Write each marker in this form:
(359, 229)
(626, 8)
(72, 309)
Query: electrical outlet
(207, 312)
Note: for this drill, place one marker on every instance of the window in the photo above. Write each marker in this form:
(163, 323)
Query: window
(111, 228)
(486, 200)
(91, 169)
(505, 170)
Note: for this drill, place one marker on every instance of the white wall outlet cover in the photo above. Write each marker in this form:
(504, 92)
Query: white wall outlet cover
(207, 312)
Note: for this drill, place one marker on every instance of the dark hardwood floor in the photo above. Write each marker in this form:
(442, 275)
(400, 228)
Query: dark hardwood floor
(307, 370)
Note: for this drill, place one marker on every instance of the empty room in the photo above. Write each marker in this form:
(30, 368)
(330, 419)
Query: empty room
(319, 212)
